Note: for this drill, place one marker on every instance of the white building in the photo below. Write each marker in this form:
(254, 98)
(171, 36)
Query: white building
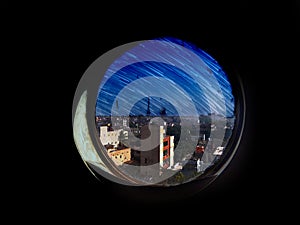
(111, 137)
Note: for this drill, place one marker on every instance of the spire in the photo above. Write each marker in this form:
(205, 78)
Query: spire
(148, 107)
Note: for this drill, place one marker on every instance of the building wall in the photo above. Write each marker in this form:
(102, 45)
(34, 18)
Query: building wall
(109, 137)
(161, 145)
(120, 156)
(156, 155)
(149, 160)
(166, 148)
(167, 152)
(150, 133)
(171, 150)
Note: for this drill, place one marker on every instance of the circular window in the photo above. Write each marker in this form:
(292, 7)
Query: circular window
(166, 104)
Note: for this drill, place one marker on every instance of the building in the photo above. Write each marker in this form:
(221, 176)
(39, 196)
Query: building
(218, 151)
(115, 150)
(167, 152)
(120, 122)
(119, 156)
(111, 137)
(160, 149)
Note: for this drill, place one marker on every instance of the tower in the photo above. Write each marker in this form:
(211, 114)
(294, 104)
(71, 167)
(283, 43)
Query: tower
(148, 107)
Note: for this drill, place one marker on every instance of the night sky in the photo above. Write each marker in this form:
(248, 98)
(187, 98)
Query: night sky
(172, 74)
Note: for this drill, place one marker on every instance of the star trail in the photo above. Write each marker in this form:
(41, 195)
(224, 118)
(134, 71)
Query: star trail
(184, 80)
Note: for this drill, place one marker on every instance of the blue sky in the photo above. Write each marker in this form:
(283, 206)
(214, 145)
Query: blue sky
(173, 74)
